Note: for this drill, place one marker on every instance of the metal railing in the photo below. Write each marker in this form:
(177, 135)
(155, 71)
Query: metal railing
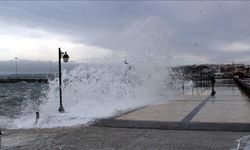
(244, 85)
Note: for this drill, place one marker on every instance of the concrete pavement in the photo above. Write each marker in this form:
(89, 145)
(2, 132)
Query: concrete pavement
(101, 138)
(228, 110)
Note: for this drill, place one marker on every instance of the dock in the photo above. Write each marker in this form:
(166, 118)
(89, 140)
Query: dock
(41, 78)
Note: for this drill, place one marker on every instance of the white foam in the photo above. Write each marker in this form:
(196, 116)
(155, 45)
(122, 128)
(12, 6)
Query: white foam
(105, 87)
(243, 143)
(94, 91)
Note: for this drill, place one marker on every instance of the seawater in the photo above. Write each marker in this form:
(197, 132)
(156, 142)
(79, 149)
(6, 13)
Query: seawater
(16, 97)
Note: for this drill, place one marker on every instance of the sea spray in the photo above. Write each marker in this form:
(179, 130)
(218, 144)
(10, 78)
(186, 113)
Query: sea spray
(135, 75)
(93, 91)
(243, 143)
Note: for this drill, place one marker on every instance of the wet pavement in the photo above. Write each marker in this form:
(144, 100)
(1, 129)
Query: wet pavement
(196, 109)
(101, 138)
(229, 105)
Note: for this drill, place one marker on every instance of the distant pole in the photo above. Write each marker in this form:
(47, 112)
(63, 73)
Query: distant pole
(50, 67)
(16, 64)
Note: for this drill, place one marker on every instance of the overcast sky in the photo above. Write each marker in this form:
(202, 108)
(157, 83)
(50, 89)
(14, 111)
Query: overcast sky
(190, 31)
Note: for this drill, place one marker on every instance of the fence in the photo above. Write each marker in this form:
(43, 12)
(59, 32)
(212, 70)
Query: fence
(244, 85)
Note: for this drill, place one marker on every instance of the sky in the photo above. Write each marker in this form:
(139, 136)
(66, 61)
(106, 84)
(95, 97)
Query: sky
(190, 31)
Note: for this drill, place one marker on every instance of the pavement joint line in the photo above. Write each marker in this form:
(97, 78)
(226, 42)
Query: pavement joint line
(128, 112)
(213, 100)
(191, 115)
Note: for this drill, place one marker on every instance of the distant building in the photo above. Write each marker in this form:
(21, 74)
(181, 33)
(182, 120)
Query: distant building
(222, 70)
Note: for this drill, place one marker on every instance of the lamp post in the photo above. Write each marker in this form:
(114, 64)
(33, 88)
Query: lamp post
(16, 64)
(50, 67)
(65, 57)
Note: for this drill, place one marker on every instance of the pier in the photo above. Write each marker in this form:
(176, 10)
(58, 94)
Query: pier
(41, 78)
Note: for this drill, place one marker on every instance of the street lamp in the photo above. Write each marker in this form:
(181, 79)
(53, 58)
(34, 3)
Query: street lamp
(65, 57)
(16, 64)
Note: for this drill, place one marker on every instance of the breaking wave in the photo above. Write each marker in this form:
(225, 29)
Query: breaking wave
(134, 76)
(93, 91)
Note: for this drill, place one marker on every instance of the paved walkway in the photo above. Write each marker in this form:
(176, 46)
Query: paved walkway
(229, 108)
(101, 138)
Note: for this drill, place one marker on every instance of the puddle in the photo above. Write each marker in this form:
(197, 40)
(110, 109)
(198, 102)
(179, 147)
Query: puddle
(14, 140)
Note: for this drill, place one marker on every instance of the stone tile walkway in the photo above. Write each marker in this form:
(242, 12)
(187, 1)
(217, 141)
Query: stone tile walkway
(229, 107)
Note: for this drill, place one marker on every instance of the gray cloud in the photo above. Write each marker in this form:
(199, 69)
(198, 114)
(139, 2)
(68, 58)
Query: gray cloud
(185, 28)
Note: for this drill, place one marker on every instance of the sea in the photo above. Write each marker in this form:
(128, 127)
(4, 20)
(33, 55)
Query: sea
(15, 97)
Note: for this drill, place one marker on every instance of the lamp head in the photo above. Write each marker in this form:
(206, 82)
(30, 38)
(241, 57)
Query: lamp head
(65, 57)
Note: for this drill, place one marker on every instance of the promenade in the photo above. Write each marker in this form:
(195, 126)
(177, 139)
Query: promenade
(228, 110)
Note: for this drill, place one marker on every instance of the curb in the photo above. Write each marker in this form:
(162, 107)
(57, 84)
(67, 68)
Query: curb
(199, 126)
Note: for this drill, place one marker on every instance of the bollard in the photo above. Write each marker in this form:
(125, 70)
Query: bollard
(37, 117)
(183, 87)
